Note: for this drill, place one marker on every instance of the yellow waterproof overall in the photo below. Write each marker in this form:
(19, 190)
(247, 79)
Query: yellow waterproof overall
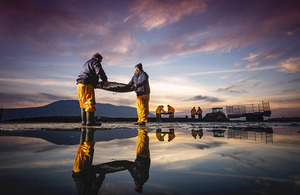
(142, 107)
(86, 96)
(142, 144)
(84, 157)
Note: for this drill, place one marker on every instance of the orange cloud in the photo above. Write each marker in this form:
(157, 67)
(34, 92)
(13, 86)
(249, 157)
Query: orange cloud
(291, 65)
(251, 57)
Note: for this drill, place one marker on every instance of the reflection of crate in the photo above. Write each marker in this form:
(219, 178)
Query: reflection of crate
(236, 111)
(259, 134)
(237, 134)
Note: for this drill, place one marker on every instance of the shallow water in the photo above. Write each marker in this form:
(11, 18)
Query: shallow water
(184, 159)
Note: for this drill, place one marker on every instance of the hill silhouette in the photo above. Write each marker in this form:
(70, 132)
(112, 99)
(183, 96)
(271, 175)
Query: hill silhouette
(69, 108)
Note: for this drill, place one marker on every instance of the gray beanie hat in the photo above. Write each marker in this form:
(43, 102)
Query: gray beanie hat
(139, 66)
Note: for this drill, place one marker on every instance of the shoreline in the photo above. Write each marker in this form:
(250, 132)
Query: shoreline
(77, 119)
(76, 126)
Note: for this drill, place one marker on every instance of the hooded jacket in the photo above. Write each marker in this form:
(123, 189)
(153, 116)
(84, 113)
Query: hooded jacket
(160, 109)
(193, 111)
(90, 73)
(142, 81)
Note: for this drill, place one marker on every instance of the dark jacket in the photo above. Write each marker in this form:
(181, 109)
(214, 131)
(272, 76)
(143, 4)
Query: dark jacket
(142, 82)
(140, 173)
(90, 73)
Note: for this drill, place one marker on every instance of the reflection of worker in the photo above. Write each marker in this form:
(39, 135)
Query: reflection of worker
(171, 135)
(140, 172)
(171, 111)
(161, 135)
(194, 134)
(199, 113)
(84, 174)
(193, 112)
(198, 132)
(159, 110)
(140, 82)
(88, 78)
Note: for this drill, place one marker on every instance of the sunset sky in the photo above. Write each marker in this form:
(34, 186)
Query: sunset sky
(203, 53)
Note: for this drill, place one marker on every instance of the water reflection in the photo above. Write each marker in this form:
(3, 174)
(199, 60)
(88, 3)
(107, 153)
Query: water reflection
(160, 134)
(197, 132)
(70, 137)
(89, 178)
(84, 174)
(240, 162)
(140, 172)
(217, 133)
(242, 133)
(257, 134)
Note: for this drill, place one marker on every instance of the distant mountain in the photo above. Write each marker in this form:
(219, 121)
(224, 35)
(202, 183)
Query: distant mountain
(69, 108)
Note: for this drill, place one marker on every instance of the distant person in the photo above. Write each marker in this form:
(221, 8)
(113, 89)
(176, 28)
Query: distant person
(199, 113)
(159, 110)
(87, 80)
(171, 111)
(140, 82)
(193, 112)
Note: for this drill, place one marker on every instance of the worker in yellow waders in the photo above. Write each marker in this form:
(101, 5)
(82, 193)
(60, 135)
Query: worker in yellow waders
(171, 111)
(199, 113)
(193, 112)
(159, 110)
(87, 80)
(140, 83)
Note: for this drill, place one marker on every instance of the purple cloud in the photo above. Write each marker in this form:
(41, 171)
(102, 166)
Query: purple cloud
(153, 14)
(231, 26)
(206, 99)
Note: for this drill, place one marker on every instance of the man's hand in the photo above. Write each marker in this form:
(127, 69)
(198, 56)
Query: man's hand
(135, 87)
(106, 84)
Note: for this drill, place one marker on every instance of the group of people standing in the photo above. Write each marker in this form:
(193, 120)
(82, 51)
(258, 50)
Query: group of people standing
(87, 80)
(196, 112)
(160, 110)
